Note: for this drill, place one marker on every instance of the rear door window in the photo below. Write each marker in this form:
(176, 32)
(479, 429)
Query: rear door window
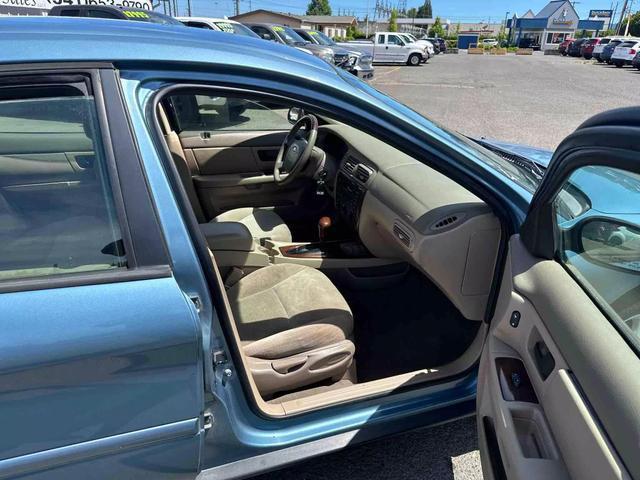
(57, 211)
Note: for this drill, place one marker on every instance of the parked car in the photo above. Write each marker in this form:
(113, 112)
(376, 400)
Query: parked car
(112, 12)
(529, 42)
(564, 46)
(575, 47)
(439, 44)
(426, 44)
(608, 49)
(389, 47)
(489, 42)
(597, 49)
(355, 62)
(287, 36)
(625, 52)
(636, 61)
(173, 308)
(587, 48)
(218, 24)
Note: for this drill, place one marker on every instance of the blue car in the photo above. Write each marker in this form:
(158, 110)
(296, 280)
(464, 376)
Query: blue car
(221, 256)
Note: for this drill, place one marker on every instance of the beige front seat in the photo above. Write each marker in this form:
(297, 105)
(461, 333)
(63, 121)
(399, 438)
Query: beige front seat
(261, 223)
(294, 326)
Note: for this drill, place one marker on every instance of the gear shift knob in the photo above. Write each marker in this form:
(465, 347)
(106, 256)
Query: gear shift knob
(324, 224)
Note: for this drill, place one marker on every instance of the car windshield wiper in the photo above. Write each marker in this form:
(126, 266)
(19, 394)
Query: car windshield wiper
(519, 161)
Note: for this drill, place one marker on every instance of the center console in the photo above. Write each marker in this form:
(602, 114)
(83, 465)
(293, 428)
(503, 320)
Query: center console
(351, 186)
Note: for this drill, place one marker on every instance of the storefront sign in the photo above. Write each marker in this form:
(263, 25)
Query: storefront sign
(562, 19)
(11, 6)
(600, 13)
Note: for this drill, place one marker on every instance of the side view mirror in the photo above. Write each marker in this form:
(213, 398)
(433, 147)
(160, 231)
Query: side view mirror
(295, 114)
(610, 242)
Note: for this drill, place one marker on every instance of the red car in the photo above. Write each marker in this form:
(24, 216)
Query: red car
(587, 48)
(564, 46)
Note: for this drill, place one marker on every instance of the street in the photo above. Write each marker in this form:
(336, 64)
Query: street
(533, 100)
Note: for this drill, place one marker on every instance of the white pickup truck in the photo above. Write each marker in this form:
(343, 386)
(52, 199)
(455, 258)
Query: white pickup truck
(390, 47)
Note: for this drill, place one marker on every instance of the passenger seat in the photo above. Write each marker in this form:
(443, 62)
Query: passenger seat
(294, 326)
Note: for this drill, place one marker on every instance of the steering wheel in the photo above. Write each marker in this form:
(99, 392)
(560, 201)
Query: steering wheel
(295, 150)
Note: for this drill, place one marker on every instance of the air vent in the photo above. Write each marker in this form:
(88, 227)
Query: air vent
(402, 235)
(350, 165)
(363, 173)
(447, 222)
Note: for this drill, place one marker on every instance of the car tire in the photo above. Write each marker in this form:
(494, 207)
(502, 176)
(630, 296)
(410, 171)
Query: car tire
(618, 65)
(587, 57)
(599, 60)
(414, 60)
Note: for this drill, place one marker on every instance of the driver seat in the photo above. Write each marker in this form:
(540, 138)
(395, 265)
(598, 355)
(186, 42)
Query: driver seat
(261, 222)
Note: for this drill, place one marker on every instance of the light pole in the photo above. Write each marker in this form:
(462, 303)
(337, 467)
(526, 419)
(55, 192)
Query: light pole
(505, 24)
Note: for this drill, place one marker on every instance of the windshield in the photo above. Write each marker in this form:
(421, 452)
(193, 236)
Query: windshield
(151, 17)
(236, 28)
(321, 38)
(288, 36)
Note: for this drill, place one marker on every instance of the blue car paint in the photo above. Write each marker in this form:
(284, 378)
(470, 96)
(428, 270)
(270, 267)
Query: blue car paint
(149, 57)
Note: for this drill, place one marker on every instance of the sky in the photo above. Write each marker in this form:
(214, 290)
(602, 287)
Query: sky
(465, 11)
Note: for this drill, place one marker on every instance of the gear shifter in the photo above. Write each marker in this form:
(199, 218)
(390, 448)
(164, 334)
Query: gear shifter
(324, 224)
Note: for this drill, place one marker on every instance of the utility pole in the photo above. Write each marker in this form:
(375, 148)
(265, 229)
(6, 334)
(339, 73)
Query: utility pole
(623, 12)
(188, 8)
(626, 30)
(237, 7)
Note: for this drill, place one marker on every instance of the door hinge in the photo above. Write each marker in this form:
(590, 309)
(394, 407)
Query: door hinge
(220, 362)
(197, 302)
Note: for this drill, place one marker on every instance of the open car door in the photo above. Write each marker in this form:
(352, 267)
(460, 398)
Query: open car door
(559, 382)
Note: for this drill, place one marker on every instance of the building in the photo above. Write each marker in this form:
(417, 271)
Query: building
(555, 22)
(331, 25)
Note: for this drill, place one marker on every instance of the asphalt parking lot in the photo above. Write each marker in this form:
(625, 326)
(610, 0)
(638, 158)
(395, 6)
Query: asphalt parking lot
(533, 100)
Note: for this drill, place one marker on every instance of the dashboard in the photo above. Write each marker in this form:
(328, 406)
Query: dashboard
(404, 209)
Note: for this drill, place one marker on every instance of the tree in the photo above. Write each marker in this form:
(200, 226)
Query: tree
(393, 21)
(412, 13)
(437, 30)
(634, 25)
(425, 11)
(319, 7)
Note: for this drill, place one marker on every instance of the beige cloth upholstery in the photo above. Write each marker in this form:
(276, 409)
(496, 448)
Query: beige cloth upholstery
(259, 221)
(281, 297)
(294, 341)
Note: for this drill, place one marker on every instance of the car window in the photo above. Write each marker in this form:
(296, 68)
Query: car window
(394, 39)
(264, 33)
(101, 14)
(288, 35)
(70, 13)
(203, 112)
(380, 38)
(627, 44)
(57, 211)
(202, 25)
(600, 240)
(236, 28)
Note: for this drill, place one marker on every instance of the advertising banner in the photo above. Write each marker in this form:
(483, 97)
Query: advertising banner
(41, 7)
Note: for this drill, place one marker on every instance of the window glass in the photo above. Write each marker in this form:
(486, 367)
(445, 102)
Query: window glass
(101, 14)
(381, 38)
(394, 40)
(598, 215)
(69, 13)
(203, 112)
(204, 26)
(264, 33)
(236, 28)
(56, 208)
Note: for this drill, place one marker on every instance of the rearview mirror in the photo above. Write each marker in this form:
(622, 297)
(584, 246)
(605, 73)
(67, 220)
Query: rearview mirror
(295, 114)
(611, 242)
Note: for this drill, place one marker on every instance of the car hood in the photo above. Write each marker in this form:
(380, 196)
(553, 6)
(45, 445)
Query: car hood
(619, 196)
(539, 155)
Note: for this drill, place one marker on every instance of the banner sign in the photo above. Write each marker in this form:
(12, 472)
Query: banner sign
(600, 13)
(24, 7)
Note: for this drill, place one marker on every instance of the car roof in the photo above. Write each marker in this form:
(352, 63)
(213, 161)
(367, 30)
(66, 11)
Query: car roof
(67, 39)
(205, 19)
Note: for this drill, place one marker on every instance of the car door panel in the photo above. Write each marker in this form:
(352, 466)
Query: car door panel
(89, 377)
(559, 436)
(235, 169)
